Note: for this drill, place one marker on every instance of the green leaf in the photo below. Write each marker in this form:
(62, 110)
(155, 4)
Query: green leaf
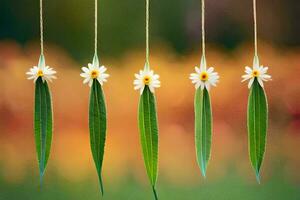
(97, 125)
(257, 119)
(203, 128)
(149, 134)
(43, 123)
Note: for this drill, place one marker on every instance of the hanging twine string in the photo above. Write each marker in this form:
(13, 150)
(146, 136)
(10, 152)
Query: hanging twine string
(41, 27)
(255, 27)
(203, 27)
(147, 32)
(96, 25)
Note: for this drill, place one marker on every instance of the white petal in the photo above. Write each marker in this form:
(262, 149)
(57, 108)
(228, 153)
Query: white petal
(90, 82)
(105, 75)
(136, 82)
(141, 90)
(216, 77)
(43, 79)
(35, 79)
(155, 81)
(155, 76)
(246, 77)
(30, 73)
(194, 75)
(195, 81)
(53, 77)
(264, 69)
(86, 80)
(137, 76)
(197, 85)
(202, 86)
(155, 86)
(248, 70)
(266, 76)
(47, 79)
(31, 77)
(137, 87)
(213, 83)
(210, 70)
(250, 82)
(102, 69)
(84, 75)
(207, 86)
(100, 80)
(85, 69)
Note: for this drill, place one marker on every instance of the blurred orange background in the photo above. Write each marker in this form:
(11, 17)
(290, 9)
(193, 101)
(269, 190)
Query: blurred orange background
(71, 157)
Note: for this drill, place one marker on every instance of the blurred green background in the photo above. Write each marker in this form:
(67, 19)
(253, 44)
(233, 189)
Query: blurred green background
(69, 24)
(175, 42)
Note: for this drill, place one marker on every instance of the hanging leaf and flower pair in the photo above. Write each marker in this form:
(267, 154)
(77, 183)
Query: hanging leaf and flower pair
(43, 114)
(257, 112)
(95, 76)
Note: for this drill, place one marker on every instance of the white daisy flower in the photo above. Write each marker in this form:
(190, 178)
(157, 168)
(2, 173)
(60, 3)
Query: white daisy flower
(258, 72)
(94, 72)
(146, 77)
(204, 78)
(45, 72)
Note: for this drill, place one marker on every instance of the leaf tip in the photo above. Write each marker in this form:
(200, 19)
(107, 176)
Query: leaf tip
(203, 172)
(101, 186)
(257, 177)
(154, 192)
(101, 190)
(203, 169)
(41, 178)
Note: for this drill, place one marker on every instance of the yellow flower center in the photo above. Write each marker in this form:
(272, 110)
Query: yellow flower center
(40, 73)
(147, 80)
(255, 73)
(204, 76)
(94, 74)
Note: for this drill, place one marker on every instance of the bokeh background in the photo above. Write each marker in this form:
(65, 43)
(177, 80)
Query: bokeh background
(175, 50)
